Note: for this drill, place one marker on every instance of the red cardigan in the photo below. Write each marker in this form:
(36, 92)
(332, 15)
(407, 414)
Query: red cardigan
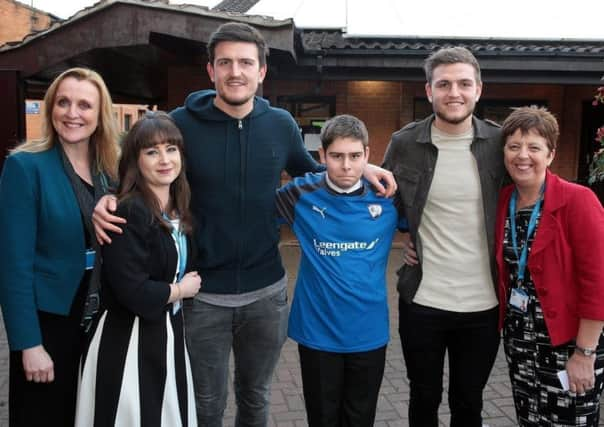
(566, 260)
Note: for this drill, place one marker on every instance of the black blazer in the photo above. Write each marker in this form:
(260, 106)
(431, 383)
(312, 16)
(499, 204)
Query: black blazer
(139, 265)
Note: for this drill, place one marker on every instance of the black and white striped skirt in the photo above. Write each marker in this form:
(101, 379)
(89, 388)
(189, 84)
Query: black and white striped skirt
(136, 373)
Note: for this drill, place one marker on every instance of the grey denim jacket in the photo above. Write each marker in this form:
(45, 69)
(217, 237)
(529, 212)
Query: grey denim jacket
(411, 156)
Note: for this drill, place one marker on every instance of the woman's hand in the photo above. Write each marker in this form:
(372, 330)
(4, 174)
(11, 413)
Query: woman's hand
(190, 284)
(38, 365)
(581, 376)
(580, 368)
(104, 221)
(375, 174)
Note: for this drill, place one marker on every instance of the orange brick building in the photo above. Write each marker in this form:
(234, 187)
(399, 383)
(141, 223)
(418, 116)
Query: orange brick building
(18, 20)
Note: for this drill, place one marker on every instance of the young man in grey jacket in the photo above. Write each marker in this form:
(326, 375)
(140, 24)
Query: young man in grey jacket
(449, 168)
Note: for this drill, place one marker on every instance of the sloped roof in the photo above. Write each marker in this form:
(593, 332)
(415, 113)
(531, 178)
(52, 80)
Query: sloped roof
(239, 6)
(203, 11)
(132, 43)
(330, 53)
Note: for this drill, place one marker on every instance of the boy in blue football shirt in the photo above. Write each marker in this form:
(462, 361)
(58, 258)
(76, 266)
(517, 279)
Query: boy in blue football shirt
(339, 314)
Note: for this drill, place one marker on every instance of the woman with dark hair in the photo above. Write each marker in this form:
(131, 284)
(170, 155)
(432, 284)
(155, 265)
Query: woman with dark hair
(549, 244)
(136, 370)
(49, 274)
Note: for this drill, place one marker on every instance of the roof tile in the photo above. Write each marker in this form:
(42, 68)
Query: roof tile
(316, 40)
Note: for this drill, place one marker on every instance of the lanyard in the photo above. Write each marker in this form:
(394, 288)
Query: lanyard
(181, 247)
(531, 228)
(180, 240)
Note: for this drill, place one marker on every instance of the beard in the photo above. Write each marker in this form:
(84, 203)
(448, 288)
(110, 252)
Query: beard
(453, 120)
(235, 102)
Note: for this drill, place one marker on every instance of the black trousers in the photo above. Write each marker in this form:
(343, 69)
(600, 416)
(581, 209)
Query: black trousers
(341, 389)
(471, 341)
(50, 404)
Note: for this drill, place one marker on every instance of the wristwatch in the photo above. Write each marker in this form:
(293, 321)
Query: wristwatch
(585, 351)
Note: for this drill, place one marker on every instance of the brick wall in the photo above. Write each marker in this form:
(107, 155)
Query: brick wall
(127, 114)
(378, 104)
(17, 20)
(565, 104)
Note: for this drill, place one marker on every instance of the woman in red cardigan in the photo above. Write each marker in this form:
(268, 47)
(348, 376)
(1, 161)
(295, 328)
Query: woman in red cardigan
(549, 246)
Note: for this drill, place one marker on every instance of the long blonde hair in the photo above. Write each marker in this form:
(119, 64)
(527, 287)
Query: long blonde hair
(104, 140)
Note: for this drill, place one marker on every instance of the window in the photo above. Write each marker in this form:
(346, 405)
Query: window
(127, 121)
(310, 113)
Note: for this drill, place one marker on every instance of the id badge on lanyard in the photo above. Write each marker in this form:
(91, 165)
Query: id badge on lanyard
(519, 299)
(518, 296)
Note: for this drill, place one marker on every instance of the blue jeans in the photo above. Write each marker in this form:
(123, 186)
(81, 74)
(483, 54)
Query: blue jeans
(256, 333)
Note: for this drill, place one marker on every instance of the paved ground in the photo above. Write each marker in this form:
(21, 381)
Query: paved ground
(287, 408)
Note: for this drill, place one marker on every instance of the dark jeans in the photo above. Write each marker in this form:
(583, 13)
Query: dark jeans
(341, 389)
(471, 341)
(256, 333)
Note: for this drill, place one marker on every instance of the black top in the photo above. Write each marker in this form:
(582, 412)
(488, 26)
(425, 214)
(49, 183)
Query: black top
(139, 265)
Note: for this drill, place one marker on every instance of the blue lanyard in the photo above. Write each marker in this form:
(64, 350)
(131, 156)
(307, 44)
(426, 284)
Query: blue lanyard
(531, 229)
(181, 240)
(181, 246)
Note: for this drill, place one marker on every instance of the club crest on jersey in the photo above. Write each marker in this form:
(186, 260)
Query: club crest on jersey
(374, 210)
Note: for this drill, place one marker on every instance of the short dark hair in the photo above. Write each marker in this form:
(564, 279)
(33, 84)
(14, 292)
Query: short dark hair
(343, 126)
(237, 32)
(451, 55)
(532, 118)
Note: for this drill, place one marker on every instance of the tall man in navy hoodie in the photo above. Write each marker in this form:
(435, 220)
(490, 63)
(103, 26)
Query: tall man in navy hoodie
(236, 147)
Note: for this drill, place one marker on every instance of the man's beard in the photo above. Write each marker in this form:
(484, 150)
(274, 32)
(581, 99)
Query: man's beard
(453, 120)
(235, 102)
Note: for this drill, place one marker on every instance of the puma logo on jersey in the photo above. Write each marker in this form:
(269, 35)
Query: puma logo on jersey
(321, 211)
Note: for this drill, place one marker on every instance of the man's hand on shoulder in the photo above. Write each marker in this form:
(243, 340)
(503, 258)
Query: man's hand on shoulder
(382, 180)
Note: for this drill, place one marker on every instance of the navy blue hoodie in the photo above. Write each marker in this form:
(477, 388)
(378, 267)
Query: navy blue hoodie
(234, 167)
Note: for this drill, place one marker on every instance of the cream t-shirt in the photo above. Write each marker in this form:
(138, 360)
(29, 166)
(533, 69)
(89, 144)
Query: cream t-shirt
(455, 255)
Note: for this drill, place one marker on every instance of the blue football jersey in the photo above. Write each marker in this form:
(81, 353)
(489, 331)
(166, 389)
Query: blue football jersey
(340, 302)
